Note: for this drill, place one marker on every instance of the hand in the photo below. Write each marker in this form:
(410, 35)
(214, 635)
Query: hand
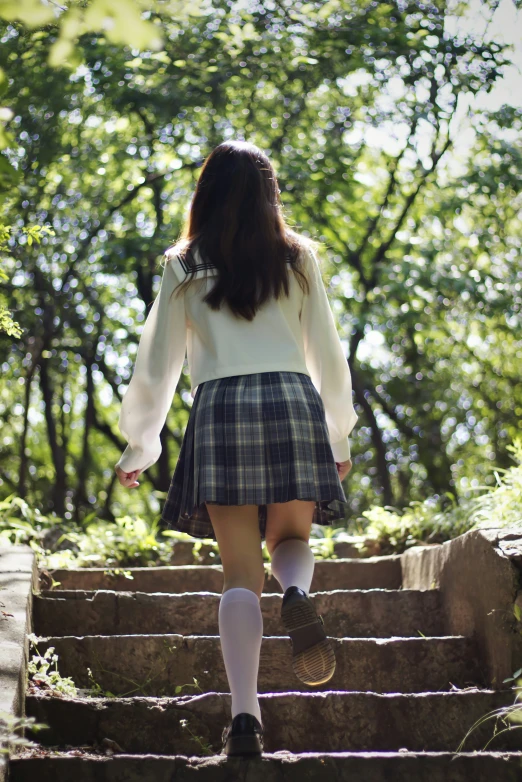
(343, 468)
(128, 479)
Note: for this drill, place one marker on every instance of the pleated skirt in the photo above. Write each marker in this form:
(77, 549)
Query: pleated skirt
(253, 440)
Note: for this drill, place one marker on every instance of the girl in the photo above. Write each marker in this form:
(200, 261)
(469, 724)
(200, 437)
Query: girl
(266, 444)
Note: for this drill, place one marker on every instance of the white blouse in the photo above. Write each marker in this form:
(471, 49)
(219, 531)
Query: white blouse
(294, 334)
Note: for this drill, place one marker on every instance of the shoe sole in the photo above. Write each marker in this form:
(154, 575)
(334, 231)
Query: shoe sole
(243, 745)
(315, 665)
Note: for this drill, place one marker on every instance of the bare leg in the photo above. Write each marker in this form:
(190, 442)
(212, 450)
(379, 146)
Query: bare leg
(240, 617)
(237, 534)
(288, 520)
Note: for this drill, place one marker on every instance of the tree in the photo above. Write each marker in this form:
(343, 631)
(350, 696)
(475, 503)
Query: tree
(360, 123)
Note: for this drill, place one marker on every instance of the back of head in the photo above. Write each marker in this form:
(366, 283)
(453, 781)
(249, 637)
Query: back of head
(236, 223)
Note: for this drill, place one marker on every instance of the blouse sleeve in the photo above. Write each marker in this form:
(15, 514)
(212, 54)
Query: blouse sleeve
(326, 362)
(159, 360)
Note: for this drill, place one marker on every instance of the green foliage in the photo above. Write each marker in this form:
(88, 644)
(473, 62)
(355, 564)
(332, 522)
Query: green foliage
(30, 234)
(44, 676)
(420, 522)
(8, 174)
(204, 747)
(121, 22)
(20, 523)
(502, 504)
(127, 542)
(134, 542)
(323, 540)
(119, 572)
(180, 687)
(7, 324)
(516, 674)
(96, 690)
(11, 727)
(426, 522)
(423, 243)
(508, 716)
(198, 543)
(115, 545)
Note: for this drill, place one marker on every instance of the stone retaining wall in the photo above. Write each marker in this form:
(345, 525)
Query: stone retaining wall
(480, 578)
(18, 578)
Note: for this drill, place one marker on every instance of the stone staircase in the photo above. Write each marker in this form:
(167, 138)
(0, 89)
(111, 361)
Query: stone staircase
(403, 696)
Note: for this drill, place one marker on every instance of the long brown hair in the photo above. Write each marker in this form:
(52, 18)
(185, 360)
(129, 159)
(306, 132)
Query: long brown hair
(237, 224)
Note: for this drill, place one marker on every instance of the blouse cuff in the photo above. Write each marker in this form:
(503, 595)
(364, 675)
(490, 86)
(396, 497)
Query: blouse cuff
(134, 459)
(341, 450)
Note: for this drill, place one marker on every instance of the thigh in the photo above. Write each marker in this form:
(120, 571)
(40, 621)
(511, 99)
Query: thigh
(288, 520)
(239, 541)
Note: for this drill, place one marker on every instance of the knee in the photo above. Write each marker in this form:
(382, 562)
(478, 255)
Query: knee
(273, 543)
(253, 579)
(244, 584)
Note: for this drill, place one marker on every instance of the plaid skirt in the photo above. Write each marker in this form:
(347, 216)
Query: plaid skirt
(253, 440)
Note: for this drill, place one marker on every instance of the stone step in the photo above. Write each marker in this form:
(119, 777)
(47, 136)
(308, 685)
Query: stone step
(295, 722)
(208, 553)
(375, 613)
(369, 573)
(157, 664)
(311, 766)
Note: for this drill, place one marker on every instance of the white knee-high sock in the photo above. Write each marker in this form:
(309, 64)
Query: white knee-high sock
(241, 630)
(293, 564)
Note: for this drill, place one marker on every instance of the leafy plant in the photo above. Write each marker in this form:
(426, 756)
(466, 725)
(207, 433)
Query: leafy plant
(44, 676)
(10, 727)
(502, 504)
(96, 689)
(322, 541)
(197, 544)
(118, 571)
(427, 522)
(180, 687)
(204, 746)
(420, 522)
(21, 523)
(30, 234)
(504, 715)
(126, 542)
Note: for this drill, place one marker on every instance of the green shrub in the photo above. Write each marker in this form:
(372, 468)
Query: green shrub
(426, 522)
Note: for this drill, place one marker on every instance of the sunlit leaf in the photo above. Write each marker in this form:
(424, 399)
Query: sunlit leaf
(59, 52)
(31, 12)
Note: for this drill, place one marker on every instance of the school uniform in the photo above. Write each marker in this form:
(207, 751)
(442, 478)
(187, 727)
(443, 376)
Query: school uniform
(272, 409)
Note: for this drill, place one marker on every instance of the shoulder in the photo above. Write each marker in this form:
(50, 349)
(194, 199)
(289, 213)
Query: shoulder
(310, 260)
(171, 262)
(175, 263)
(192, 261)
(185, 261)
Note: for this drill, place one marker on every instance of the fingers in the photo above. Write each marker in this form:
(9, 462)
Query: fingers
(128, 479)
(343, 468)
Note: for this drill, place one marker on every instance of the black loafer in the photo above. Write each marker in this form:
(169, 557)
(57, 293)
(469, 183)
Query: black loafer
(313, 656)
(244, 736)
